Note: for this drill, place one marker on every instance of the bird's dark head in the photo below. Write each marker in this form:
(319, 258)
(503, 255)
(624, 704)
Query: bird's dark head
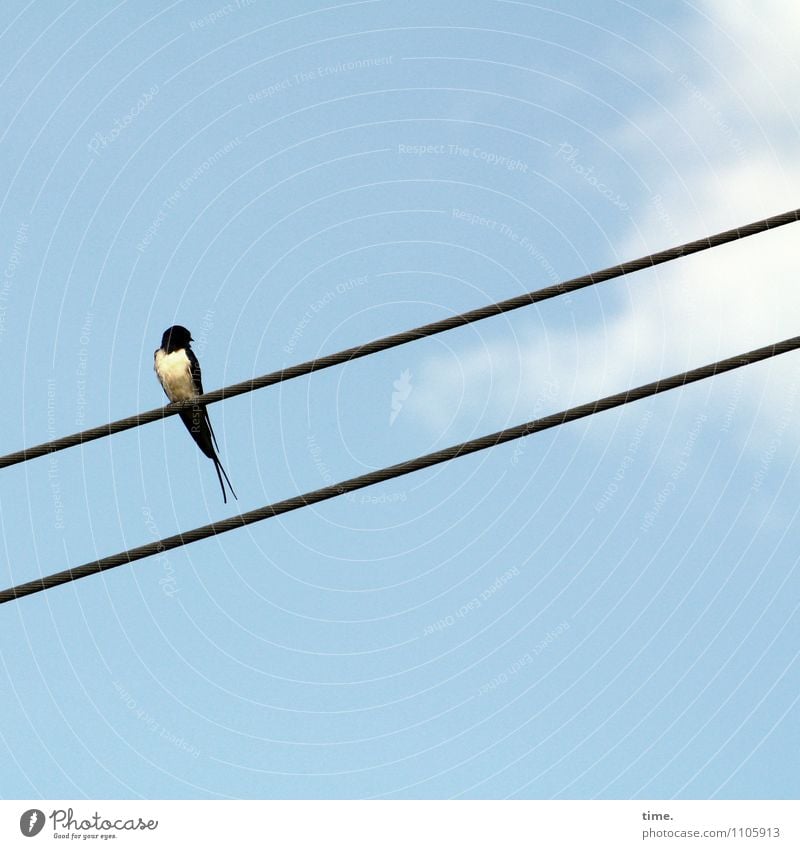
(175, 338)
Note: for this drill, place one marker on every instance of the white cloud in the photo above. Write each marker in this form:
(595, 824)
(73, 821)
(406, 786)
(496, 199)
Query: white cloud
(734, 160)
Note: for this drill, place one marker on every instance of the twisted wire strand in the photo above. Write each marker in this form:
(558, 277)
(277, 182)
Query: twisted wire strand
(404, 468)
(405, 336)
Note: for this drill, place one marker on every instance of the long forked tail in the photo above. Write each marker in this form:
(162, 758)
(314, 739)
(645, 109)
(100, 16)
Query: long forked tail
(199, 426)
(220, 468)
(217, 463)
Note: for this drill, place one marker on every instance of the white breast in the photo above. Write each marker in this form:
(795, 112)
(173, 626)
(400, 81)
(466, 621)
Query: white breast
(175, 373)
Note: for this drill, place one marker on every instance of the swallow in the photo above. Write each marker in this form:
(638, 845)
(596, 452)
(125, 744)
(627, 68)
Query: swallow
(178, 371)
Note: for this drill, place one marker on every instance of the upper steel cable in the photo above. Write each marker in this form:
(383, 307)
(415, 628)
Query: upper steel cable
(399, 469)
(396, 339)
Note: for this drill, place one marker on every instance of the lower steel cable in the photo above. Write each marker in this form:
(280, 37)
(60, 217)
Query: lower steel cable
(405, 468)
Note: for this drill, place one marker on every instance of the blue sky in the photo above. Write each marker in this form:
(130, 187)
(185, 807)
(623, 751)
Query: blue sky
(606, 610)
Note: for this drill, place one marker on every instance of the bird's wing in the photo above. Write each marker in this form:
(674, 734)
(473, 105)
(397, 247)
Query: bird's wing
(197, 378)
(197, 381)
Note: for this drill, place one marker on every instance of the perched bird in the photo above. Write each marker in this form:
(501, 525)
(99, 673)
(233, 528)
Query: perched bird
(178, 371)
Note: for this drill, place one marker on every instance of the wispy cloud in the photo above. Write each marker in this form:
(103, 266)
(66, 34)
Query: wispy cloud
(721, 147)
